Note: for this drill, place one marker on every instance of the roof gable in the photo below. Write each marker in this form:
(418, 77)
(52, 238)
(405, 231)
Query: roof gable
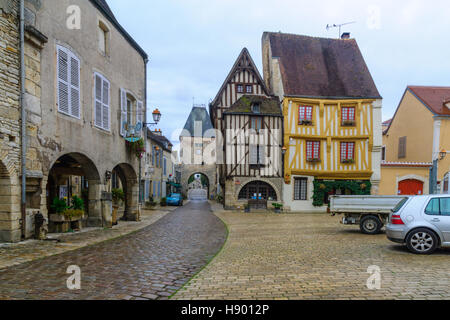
(244, 61)
(321, 67)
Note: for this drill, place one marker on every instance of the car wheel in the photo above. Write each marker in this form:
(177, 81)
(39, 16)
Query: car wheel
(422, 241)
(371, 225)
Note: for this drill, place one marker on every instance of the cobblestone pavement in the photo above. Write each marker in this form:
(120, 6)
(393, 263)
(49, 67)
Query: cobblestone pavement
(314, 257)
(151, 263)
(18, 253)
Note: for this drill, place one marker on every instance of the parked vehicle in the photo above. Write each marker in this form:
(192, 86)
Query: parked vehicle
(175, 199)
(421, 222)
(370, 212)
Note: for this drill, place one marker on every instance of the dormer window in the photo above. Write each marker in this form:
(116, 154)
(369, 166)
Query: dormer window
(256, 108)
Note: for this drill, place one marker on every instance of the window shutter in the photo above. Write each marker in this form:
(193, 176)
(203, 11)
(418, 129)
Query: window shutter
(262, 155)
(98, 101)
(123, 111)
(402, 147)
(74, 87)
(106, 102)
(253, 154)
(63, 81)
(140, 112)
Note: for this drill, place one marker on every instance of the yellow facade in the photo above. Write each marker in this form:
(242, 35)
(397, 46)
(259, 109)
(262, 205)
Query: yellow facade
(426, 134)
(414, 121)
(327, 128)
(392, 176)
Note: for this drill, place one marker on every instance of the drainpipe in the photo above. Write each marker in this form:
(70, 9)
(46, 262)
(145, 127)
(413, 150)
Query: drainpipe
(23, 117)
(141, 196)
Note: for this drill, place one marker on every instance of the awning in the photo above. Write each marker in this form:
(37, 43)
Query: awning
(176, 185)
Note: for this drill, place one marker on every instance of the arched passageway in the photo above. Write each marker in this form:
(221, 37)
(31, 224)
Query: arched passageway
(74, 176)
(6, 206)
(125, 178)
(198, 187)
(258, 193)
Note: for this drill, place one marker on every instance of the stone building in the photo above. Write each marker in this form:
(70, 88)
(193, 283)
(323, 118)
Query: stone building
(9, 122)
(198, 150)
(85, 85)
(159, 168)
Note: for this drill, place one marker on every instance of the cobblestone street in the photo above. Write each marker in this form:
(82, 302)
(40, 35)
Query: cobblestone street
(151, 263)
(314, 257)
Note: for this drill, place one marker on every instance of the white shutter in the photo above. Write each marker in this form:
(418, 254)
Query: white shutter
(139, 112)
(123, 111)
(98, 100)
(105, 111)
(253, 154)
(74, 87)
(68, 70)
(262, 155)
(63, 81)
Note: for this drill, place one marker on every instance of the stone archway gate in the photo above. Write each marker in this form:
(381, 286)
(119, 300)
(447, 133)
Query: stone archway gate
(208, 170)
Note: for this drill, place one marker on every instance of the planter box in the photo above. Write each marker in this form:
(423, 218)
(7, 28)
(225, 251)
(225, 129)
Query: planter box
(60, 218)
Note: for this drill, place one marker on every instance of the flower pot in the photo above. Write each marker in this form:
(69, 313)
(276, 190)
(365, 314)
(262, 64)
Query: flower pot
(114, 214)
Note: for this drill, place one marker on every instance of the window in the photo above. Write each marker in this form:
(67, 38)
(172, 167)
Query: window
(256, 123)
(68, 73)
(438, 206)
(348, 116)
(300, 188)
(249, 89)
(129, 107)
(256, 108)
(383, 153)
(257, 155)
(165, 167)
(446, 183)
(101, 108)
(253, 190)
(402, 147)
(240, 88)
(313, 150)
(305, 114)
(103, 33)
(347, 152)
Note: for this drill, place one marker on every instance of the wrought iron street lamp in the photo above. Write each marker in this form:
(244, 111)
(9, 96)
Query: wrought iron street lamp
(156, 118)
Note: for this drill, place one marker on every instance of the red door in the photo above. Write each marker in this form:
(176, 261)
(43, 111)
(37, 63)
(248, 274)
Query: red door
(410, 187)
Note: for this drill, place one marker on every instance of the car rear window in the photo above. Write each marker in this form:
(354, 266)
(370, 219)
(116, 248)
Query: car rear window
(400, 205)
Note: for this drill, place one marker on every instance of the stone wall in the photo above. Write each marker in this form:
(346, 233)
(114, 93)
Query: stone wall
(233, 187)
(10, 227)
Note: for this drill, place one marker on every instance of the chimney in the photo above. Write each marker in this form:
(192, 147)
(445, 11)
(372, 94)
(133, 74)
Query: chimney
(345, 36)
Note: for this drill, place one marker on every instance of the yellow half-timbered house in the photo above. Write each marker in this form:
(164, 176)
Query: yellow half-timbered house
(332, 118)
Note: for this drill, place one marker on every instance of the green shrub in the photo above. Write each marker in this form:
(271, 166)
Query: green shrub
(118, 195)
(59, 205)
(77, 203)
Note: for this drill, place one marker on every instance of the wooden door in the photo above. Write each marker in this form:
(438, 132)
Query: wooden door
(410, 187)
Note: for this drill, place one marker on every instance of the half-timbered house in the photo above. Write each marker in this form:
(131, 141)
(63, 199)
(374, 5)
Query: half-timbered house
(250, 123)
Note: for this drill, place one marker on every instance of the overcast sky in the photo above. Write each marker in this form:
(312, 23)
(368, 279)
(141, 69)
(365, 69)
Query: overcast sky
(192, 44)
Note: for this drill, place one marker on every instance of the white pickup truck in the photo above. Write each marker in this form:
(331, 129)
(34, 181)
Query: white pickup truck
(370, 212)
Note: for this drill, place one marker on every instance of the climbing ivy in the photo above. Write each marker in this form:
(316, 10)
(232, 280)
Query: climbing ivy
(322, 187)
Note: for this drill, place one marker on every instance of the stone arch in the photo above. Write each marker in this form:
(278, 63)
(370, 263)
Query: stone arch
(7, 205)
(83, 178)
(129, 180)
(200, 195)
(278, 193)
(207, 170)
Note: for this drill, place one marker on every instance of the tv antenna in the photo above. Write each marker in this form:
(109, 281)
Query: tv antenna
(330, 26)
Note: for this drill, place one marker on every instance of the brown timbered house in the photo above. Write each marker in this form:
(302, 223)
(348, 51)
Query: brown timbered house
(250, 122)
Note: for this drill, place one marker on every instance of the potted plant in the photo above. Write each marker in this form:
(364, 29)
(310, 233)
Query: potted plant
(278, 207)
(118, 196)
(163, 202)
(247, 208)
(348, 123)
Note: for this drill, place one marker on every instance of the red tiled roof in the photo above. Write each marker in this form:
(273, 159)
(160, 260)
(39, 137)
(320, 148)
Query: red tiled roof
(321, 67)
(433, 97)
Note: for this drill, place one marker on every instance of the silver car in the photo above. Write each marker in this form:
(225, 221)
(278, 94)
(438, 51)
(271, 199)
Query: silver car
(421, 222)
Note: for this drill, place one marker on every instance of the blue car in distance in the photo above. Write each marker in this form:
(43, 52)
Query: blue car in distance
(175, 199)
